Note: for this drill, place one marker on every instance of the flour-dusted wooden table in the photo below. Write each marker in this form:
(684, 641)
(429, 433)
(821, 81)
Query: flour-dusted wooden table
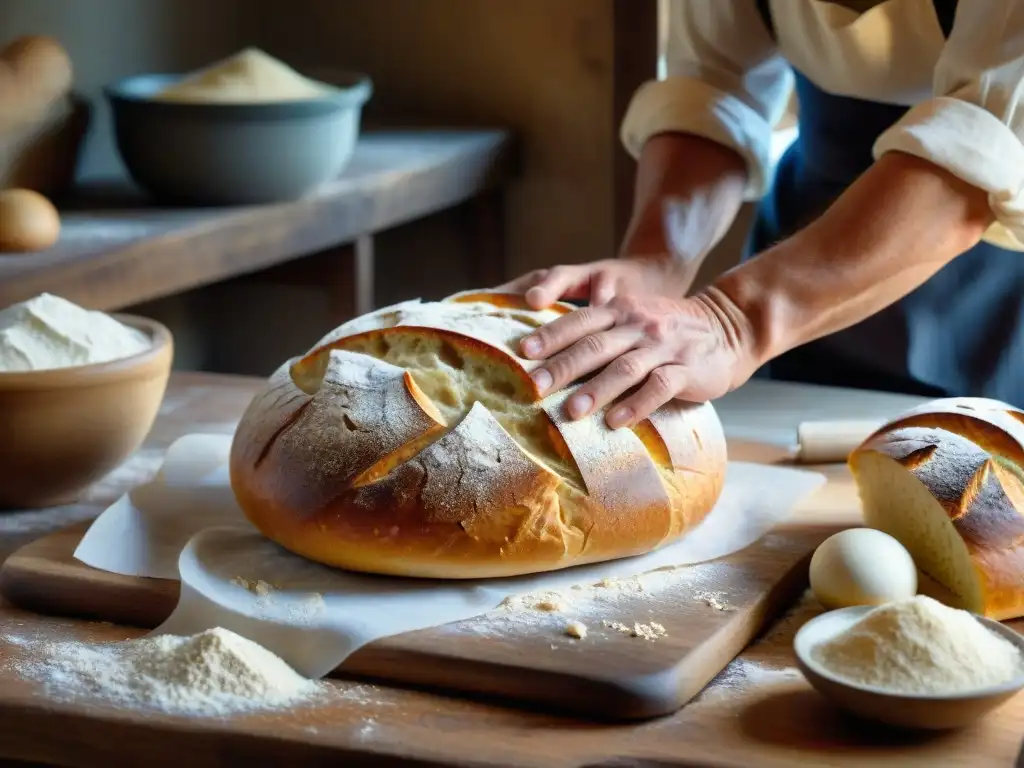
(116, 249)
(759, 712)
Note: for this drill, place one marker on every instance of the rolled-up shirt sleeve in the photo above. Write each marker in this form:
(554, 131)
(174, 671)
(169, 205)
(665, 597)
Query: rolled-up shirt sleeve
(725, 81)
(974, 125)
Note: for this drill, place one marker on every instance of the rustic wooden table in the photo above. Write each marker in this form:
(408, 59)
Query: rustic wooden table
(116, 249)
(758, 712)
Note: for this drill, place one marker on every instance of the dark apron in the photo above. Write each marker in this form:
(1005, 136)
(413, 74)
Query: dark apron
(962, 333)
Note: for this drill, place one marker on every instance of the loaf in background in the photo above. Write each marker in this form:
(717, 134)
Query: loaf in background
(412, 441)
(947, 480)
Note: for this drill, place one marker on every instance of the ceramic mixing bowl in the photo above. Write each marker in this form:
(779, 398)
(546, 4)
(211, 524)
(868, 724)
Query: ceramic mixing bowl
(64, 429)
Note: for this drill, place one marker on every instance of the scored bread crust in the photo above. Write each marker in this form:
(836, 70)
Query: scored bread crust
(968, 455)
(412, 441)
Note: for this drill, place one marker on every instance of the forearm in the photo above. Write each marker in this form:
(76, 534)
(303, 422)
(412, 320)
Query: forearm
(701, 179)
(901, 222)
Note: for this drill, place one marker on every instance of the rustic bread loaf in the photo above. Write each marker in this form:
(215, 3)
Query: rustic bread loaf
(947, 480)
(412, 441)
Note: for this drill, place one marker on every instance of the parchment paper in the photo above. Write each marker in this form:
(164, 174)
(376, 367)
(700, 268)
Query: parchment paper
(185, 525)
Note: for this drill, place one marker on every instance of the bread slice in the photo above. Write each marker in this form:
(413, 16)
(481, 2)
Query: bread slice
(947, 481)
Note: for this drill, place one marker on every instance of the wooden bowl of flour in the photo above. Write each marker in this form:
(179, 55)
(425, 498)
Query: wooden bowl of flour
(64, 429)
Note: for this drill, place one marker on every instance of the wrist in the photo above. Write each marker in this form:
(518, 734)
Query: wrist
(759, 294)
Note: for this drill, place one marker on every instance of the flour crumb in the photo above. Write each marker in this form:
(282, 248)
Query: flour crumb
(551, 606)
(576, 629)
(301, 609)
(548, 602)
(716, 600)
(258, 587)
(307, 608)
(920, 646)
(650, 631)
(214, 673)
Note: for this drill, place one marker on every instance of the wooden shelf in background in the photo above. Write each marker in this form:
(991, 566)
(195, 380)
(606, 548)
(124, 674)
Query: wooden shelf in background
(117, 249)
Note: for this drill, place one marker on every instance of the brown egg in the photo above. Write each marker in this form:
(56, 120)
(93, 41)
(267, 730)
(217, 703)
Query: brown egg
(28, 221)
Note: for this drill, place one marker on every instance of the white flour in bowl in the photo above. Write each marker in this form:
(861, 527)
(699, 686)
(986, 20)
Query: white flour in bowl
(920, 646)
(49, 332)
(214, 673)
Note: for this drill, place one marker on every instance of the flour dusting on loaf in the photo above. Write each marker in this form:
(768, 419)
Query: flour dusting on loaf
(412, 441)
(947, 480)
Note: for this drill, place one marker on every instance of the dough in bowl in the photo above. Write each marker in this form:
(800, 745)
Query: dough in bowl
(412, 441)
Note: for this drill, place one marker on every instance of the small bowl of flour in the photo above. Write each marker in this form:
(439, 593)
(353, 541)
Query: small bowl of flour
(912, 663)
(79, 392)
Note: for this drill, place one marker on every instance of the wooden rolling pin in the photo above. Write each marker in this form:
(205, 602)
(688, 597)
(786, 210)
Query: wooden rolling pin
(829, 442)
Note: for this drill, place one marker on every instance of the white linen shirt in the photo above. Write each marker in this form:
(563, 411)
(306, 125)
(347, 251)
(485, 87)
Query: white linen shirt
(728, 80)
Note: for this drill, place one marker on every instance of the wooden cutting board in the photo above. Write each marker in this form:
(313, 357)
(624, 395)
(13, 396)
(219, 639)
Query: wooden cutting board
(609, 674)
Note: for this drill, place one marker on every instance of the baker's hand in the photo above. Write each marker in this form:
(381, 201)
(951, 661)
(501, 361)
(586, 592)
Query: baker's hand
(600, 281)
(694, 349)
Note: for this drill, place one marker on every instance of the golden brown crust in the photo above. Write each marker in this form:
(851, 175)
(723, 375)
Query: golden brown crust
(410, 446)
(505, 301)
(970, 459)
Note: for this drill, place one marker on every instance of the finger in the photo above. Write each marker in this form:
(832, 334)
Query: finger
(559, 283)
(602, 288)
(589, 354)
(661, 386)
(623, 373)
(566, 330)
(523, 283)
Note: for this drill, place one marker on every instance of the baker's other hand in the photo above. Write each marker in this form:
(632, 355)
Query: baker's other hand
(599, 282)
(654, 348)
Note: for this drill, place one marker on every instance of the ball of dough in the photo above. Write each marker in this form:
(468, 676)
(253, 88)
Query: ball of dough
(862, 566)
(28, 221)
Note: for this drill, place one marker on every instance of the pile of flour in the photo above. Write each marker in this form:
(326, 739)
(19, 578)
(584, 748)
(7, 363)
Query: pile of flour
(49, 332)
(214, 673)
(249, 77)
(920, 646)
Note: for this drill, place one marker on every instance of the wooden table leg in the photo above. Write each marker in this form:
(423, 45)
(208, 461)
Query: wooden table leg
(363, 275)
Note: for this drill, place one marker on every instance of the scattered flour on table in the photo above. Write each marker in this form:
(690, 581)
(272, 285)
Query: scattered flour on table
(604, 602)
(716, 600)
(920, 646)
(213, 673)
(650, 631)
(744, 673)
(769, 660)
(301, 609)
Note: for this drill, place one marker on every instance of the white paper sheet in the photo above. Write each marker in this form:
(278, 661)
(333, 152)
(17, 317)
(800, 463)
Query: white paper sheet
(186, 525)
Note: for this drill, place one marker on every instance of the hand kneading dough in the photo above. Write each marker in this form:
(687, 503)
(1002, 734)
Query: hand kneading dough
(862, 566)
(412, 441)
(249, 77)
